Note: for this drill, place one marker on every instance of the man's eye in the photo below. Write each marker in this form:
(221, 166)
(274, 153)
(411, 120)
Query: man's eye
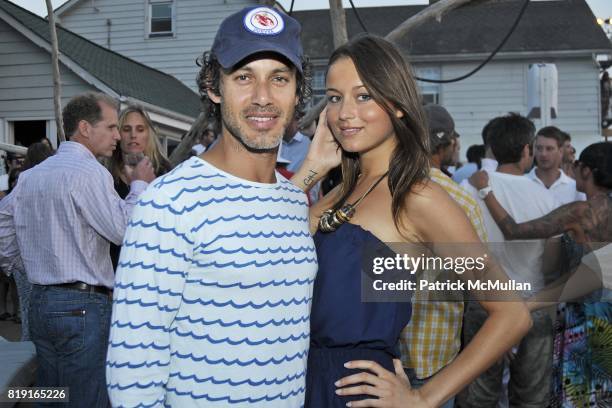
(281, 79)
(242, 77)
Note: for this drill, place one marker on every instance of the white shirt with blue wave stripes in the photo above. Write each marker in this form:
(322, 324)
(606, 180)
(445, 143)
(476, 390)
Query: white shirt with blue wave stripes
(213, 293)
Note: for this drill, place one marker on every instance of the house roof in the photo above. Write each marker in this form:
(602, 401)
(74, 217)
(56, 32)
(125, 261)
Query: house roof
(123, 75)
(557, 26)
(65, 7)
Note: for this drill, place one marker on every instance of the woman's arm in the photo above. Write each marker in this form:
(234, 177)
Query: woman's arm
(323, 155)
(507, 322)
(562, 219)
(585, 279)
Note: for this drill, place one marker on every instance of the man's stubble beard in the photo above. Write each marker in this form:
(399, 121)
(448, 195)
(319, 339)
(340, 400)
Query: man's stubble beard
(257, 146)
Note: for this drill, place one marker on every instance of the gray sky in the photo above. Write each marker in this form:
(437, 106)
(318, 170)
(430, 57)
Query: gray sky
(601, 8)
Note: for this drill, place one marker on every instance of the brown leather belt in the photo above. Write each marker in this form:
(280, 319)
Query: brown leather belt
(84, 287)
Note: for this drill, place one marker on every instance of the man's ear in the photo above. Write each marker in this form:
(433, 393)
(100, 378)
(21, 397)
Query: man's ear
(585, 171)
(526, 151)
(213, 96)
(84, 127)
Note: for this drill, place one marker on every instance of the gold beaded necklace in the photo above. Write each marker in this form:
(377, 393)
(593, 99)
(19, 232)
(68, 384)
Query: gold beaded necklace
(330, 220)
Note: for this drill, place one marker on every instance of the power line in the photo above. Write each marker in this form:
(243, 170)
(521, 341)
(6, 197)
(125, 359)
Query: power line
(291, 7)
(475, 70)
(489, 58)
(358, 17)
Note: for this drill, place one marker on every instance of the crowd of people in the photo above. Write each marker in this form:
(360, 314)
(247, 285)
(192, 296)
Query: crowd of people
(226, 282)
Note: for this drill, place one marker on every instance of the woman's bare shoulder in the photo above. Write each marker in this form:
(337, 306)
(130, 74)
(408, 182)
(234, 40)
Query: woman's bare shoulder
(432, 213)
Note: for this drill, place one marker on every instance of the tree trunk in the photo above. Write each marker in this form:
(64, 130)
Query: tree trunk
(436, 10)
(57, 86)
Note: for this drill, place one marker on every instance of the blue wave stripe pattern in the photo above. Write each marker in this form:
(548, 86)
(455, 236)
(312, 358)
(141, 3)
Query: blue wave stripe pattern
(243, 285)
(230, 400)
(168, 179)
(237, 361)
(282, 322)
(246, 340)
(259, 251)
(250, 382)
(221, 200)
(212, 295)
(255, 263)
(248, 218)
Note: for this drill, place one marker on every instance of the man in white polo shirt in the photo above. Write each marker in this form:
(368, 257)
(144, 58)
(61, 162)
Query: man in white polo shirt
(548, 155)
(511, 139)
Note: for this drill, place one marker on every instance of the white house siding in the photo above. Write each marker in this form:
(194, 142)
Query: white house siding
(26, 82)
(196, 24)
(501, 87)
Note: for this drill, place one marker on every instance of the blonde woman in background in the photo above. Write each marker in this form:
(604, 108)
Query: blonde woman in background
(138, 139)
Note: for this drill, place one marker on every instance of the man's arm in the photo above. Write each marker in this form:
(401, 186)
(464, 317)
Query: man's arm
(102, 207)
(10, 257)
(554, 223)
(149, 284)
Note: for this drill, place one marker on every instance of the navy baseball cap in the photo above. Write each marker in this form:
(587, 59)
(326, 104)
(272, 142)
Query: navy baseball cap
(257, 29)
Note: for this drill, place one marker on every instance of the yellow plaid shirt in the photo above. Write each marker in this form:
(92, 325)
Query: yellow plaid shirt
(433, 337)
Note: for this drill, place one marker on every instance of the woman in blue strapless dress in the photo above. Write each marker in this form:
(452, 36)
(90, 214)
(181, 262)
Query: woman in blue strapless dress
(342, 327)
(374, 114)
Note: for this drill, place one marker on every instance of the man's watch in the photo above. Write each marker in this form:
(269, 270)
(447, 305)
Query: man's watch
(483, 192)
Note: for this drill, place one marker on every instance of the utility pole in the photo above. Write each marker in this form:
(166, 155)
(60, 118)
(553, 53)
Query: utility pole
(338, 22)
(57, 85)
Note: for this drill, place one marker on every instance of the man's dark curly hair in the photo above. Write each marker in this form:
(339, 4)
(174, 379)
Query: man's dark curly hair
(209, 75)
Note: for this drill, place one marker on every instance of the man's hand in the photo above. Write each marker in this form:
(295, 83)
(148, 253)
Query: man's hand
(479, 180)
(142, 171)
(392, 389)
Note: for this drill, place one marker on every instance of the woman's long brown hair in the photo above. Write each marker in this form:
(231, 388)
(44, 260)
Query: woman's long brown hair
(389, 81)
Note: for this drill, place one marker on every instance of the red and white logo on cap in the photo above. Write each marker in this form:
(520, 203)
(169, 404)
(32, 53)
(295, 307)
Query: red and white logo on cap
(263, 20)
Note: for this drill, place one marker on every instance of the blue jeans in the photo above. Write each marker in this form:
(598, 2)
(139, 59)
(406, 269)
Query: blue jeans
(419, 382)
(24, 287)
(70, 330)
(530, 370)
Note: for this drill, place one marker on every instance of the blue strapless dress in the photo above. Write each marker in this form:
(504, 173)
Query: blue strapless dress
(342, 327)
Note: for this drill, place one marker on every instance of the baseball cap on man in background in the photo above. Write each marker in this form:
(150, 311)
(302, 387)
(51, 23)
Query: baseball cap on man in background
(442, 135)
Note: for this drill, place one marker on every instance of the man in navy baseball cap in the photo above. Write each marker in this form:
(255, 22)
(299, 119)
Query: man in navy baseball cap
(255, 37)
(216, 311)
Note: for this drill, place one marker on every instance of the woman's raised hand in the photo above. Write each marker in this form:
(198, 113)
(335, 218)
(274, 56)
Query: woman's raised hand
(324, 149)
